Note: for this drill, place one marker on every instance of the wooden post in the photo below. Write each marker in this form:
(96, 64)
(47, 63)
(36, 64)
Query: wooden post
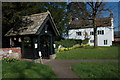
(51, 45)
(10, 42)
(41, 60)
(35, 47)
(40, 57)
(22, 46)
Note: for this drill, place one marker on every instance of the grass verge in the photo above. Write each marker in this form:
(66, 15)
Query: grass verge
(90, 53)
(96, 69)
(23, 69)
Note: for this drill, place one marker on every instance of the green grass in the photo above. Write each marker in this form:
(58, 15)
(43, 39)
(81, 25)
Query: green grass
(96, 70)
(23, 69)
(90, 53)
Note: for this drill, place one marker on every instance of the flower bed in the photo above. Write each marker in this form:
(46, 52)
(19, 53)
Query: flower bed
(76, 46)
(11, 59)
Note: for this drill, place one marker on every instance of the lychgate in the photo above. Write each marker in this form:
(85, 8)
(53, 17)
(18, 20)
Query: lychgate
(36, 34)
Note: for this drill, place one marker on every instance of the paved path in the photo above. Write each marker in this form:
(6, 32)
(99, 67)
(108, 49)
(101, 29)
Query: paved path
(62, 68)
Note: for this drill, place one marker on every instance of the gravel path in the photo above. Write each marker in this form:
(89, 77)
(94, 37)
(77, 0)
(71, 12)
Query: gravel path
(62, 68)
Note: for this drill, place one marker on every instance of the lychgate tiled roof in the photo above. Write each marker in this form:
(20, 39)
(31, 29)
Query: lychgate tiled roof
(30, 24)
(101, 22)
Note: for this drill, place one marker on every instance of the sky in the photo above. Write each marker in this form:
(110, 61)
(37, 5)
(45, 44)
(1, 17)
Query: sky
(115, 9)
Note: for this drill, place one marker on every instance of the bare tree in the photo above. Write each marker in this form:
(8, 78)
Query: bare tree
(94, 6)
(97, 9)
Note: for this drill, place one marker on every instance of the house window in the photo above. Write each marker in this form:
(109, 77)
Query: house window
(91, 33)
(91, 41)
(105, 42)
(78, 33)
(100, 32)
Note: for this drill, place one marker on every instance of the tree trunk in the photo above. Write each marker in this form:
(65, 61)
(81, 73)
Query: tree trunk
(95, 37)
(95, 33)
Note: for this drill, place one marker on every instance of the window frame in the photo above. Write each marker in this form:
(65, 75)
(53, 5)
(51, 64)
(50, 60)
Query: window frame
(100, 32)
(79, 33)
(91, 33)
(105, 42)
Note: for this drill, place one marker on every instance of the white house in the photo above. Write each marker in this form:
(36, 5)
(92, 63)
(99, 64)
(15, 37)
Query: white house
(81, 28)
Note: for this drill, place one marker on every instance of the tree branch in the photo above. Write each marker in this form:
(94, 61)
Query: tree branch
(83, 9)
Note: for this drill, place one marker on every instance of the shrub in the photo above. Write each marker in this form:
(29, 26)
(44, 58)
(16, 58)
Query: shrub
(67, 42)
(85, 41)
(74, 47)
(116, 43)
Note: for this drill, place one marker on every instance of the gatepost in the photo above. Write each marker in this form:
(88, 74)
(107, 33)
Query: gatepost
(40, 57)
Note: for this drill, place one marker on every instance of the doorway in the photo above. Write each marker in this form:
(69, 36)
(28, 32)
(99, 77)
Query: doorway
(27, 48)
(45, 46)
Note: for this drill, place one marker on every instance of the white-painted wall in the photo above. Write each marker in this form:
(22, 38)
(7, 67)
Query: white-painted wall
(108, 35)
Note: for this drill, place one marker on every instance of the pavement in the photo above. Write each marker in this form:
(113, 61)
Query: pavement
(62, 68)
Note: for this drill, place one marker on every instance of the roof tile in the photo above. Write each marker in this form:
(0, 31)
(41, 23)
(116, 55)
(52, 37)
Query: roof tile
(34, 22)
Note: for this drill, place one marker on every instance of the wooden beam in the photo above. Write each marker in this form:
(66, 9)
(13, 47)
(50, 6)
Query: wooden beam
(10, 42)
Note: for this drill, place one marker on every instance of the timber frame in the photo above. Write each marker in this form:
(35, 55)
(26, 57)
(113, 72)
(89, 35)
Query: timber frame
(40, 39)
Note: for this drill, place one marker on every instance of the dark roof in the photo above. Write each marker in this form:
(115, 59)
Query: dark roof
(34, 21)
(100, 22)
(116, 34)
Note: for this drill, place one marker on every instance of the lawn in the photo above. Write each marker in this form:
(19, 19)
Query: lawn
(90, 53)
(23, 69)
(96, 70)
